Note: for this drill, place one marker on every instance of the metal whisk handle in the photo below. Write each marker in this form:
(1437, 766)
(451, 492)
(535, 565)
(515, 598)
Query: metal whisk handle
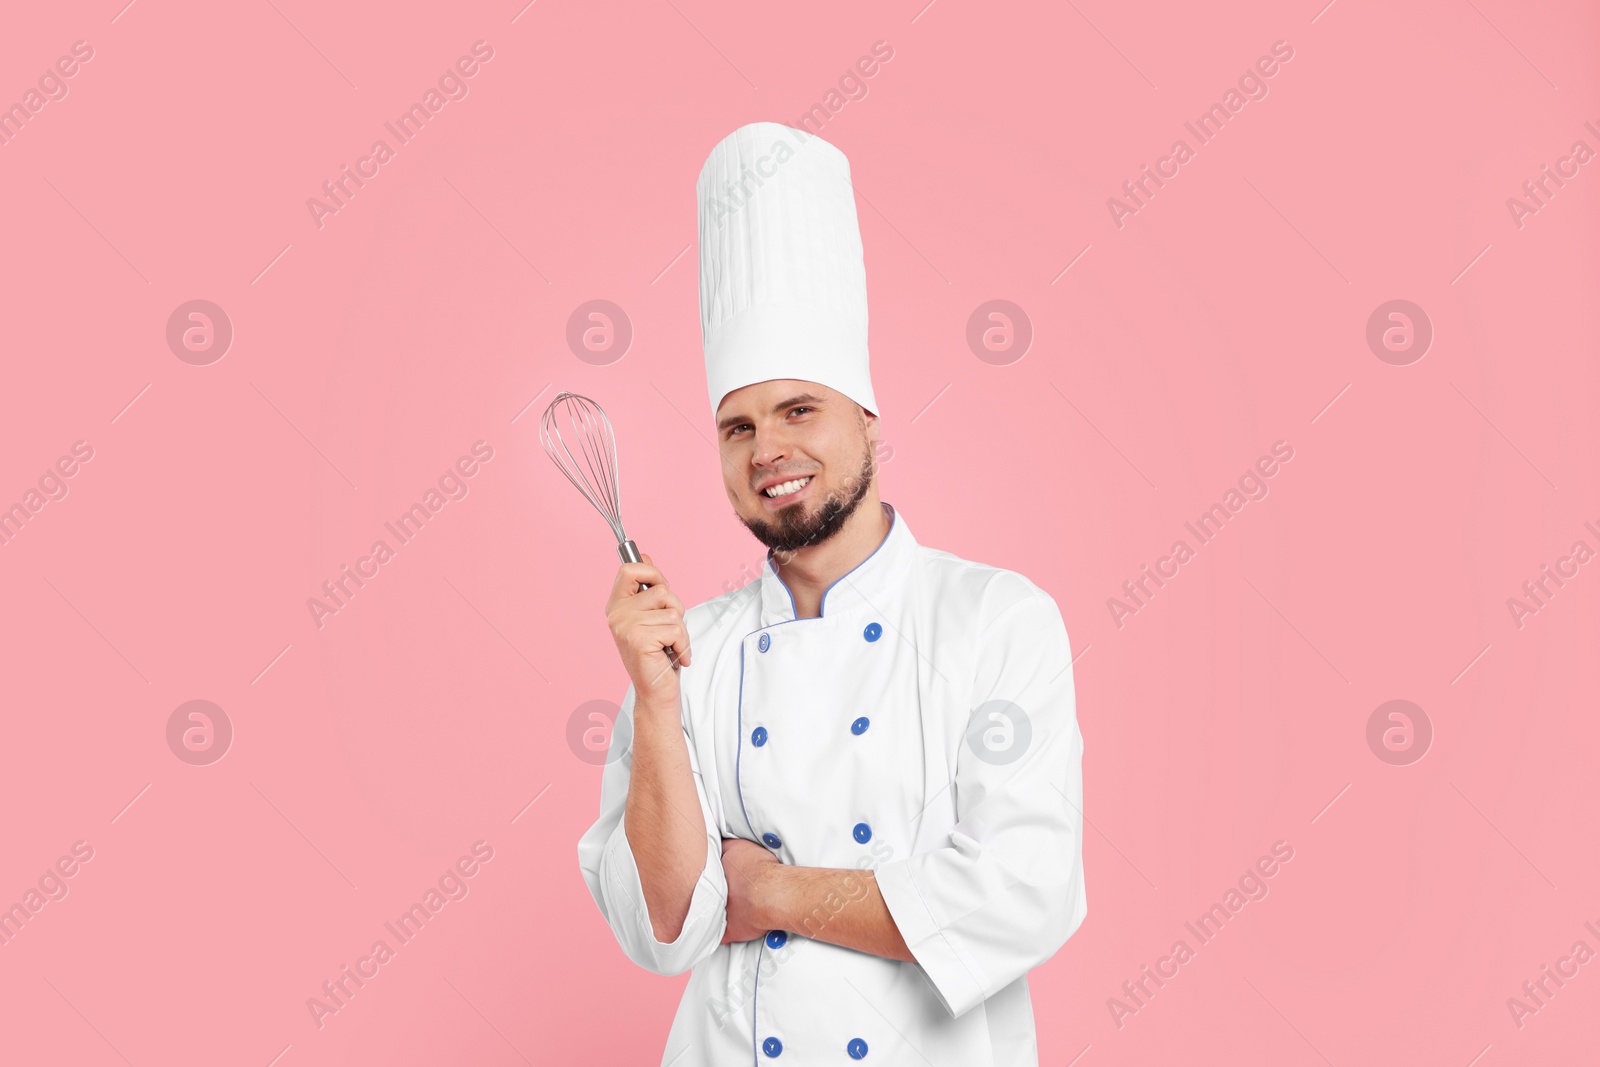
(630, 554)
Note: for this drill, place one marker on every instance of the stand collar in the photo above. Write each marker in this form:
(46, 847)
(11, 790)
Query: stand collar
(872, 583)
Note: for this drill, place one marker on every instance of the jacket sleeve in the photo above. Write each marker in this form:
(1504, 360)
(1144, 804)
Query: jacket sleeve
(1006, 890)
(606, 859)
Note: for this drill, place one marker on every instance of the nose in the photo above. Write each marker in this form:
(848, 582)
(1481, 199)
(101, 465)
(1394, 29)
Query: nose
(771, 448)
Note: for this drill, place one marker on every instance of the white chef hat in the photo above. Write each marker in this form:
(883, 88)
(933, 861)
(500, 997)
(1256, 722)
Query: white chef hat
(783, 283)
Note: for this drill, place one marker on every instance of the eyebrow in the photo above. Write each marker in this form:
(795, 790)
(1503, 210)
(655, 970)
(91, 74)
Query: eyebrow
(777, 409)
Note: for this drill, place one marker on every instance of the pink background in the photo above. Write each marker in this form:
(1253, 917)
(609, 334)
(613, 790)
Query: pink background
(430, 312)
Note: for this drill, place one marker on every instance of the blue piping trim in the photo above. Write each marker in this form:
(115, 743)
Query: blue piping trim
(755, 995)
(738, 759)
(794, 609)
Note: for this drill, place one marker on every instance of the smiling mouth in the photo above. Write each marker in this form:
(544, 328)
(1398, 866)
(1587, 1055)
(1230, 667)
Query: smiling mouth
(786, 490)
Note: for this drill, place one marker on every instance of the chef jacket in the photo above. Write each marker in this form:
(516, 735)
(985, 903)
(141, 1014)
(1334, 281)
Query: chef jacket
(923, 726)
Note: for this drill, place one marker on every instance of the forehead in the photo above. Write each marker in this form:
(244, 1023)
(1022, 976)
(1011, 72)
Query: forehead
(759, 398)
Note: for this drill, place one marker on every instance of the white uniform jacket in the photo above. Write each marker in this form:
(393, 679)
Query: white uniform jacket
(924, 726)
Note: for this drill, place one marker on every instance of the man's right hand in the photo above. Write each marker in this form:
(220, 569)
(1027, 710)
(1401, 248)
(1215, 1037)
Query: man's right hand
(645, 623)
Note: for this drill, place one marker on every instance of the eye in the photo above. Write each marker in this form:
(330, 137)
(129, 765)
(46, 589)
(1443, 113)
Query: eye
(800, 408)
(735, 429)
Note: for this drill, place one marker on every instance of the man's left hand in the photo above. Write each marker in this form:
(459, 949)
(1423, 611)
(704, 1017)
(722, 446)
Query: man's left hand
(746, 866)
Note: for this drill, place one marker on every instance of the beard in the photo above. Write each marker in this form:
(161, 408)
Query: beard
(792, 529)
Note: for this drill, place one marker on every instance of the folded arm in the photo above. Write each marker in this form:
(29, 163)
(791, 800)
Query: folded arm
(840, 905)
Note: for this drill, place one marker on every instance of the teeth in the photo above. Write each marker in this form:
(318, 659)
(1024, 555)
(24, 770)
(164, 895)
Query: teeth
(788, 487)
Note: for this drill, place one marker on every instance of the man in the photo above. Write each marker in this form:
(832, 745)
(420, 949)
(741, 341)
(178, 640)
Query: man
(851, 797)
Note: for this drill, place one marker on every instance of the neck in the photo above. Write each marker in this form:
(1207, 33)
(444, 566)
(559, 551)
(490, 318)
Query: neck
(809, 572)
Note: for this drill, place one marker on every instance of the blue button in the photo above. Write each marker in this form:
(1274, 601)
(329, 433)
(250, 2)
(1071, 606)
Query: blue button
(772, 1046)
(860, 725)
(871, 633)
(857, 1049)
(776, 939)
(863, 832)
(771, 840)
(758, 736)
(764, 644)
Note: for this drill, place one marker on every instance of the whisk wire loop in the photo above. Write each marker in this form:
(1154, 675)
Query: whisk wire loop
(573, 421)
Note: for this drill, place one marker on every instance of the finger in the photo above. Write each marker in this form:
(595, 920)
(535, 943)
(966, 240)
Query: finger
(656, 598)
(672, 660)
(663, 624)
(645, 556)
(674, 636)
(662, 630)
(631, 575)
(673, 647)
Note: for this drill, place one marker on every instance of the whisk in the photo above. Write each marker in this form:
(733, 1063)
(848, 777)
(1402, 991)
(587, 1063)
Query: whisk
(594, 468)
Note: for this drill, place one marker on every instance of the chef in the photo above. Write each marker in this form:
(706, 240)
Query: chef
(849, 799)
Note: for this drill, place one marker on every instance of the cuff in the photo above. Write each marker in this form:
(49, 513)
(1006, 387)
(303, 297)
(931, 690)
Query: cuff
(706, 903)
(957, 981)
